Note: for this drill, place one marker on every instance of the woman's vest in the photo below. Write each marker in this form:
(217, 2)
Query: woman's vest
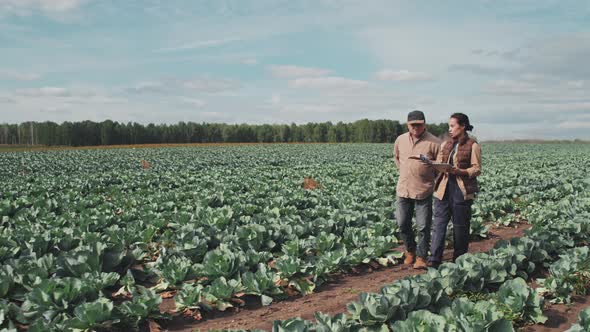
(463, 157)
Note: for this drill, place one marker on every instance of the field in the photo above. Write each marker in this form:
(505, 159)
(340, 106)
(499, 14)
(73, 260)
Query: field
(182, 237)
(31, 148)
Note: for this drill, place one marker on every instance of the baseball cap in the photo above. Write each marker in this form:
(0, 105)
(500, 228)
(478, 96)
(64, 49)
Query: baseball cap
(416, 117)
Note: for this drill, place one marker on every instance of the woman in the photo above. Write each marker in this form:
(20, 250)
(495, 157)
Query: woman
(455, 189)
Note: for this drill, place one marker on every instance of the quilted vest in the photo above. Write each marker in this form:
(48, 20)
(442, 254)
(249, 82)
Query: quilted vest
(463, 156)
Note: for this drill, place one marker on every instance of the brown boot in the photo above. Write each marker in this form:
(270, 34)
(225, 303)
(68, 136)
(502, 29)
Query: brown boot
(420, 263)
(410, 257)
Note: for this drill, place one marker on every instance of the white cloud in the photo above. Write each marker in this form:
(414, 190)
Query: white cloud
(556, 57)
(308, 109)
(528, 106)
(401, 75)
(59, 5)
(48, 91)
(511, 87)
(198, 44)
(18, 75)
(275, 99)
(61, 95)
(331, 82)
(428, 47)
(535, 77)
(248, 61)
(574, 125)
(211, 85)
(540, 90)
(561, 56)
(54, 103)
(26, 7)
(479, 69)
(576, 84)
(289, 71)
(148, 87)
(508, 55)
(193, 102)
(213, 117)
(175, 86)
(337, 104)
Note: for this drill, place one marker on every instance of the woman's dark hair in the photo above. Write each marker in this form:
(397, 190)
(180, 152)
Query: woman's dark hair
(463, 120)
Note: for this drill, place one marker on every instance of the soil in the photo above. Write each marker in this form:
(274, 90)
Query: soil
(561, 316)
(330, 298)
(310, 184)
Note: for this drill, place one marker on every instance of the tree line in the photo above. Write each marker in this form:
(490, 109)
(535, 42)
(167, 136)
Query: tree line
(89, 133)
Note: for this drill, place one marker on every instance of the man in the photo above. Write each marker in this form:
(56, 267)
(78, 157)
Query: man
(415, 186)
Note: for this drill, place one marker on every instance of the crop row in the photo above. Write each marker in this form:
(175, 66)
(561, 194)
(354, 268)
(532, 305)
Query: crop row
(476, 275)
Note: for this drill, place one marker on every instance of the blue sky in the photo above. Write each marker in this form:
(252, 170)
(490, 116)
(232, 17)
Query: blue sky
(519, 69)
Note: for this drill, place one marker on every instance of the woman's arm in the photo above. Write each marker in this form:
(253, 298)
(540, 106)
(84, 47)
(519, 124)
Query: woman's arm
(475, 169)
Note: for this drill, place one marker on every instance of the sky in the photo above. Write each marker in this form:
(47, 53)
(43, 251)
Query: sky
(519, 69)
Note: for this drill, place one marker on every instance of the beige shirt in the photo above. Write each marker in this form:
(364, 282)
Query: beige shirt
(416, 180)
(473, 171)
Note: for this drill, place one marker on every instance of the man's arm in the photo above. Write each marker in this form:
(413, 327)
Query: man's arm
(437, 152)
(396, 154)
(439, 155)
(436, 148)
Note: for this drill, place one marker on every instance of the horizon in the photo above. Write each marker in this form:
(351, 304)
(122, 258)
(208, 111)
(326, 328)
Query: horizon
(518, 70)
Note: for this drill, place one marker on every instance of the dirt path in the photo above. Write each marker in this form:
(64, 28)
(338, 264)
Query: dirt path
(561, 316)
(330, 298)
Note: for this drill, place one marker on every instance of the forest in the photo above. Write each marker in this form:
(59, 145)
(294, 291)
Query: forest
(89, 133)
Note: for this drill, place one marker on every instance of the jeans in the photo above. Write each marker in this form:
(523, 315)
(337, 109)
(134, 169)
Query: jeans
(404, 212)
(452, 205)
